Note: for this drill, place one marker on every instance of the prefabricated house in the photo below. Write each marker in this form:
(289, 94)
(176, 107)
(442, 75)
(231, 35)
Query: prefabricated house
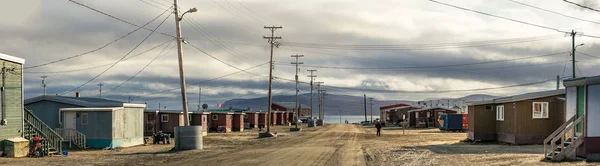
(384, 111)
(291, 106)
(522, 119)
(12, 111)
(273, 118)
(238, 121)
(398, 114)
(221, 121)
(200, 119)
(251, 119)
(427, 117)
(262, 118)
(103, 123)
(580, 131)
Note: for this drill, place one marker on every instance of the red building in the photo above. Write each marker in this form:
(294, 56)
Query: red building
(273, 118)
(252, 119)
(388, 113)
(262, 118)
(238, 121)
(280, 117)
(291, 106)
(221, 121)
(200, 119)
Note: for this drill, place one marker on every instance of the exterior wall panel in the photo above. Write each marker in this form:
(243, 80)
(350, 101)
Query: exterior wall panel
(506, 129)
(534, 131)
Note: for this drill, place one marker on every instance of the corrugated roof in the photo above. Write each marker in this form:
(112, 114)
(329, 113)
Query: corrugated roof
(521, 97)
(290, 105)
(432, 108)
(12, 58)
(83, 101)
(581, 81)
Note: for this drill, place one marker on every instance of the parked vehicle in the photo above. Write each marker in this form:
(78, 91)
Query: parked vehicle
(36, 148)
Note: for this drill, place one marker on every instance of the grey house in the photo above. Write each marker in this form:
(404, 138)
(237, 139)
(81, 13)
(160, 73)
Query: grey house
(91, 122)
(11, 111)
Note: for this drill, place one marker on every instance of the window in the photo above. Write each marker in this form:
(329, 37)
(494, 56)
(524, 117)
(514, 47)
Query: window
(428, 114)
(84, 118)
(203, 119)
(540, 110)
(500, 113)
(189, 117)
(164, 118)
(215, 117)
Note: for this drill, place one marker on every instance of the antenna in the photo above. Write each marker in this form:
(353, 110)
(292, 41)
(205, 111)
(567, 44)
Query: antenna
(44, 83)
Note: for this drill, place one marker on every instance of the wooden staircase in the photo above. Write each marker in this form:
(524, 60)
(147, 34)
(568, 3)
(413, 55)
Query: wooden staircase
(562, 144)
(73, 137)
(36, 127)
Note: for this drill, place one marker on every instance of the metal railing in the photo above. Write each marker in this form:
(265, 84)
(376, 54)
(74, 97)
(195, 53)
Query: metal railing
(563, 141)
(73, 136)
(36, 127)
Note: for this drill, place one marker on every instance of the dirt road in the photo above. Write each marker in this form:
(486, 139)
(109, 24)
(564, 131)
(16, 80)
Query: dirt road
(336, 144)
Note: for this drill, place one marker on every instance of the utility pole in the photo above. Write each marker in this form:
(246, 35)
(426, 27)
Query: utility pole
(44, 83)
(324, 93)
(312, 78)
(297, 105)
(199, 97)
(180, 58)
(319, 96)
(365, 103)
(557, 82)
(271, 41)
(99, 85)
(573, 33)
(371, 100)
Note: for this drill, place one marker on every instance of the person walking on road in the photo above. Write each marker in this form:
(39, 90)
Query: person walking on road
(378, 126)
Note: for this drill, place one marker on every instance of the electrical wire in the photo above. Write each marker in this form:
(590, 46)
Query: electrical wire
(550, 11)
(118, 19)
(94, 50)
(437, 66)
(134, 48)
(94, 67)
(510, 19)
(228, 64)
(588, 55)
(582, 6)
(148, 64)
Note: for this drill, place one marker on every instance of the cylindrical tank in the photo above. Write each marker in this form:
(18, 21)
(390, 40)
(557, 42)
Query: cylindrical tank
(188, 137)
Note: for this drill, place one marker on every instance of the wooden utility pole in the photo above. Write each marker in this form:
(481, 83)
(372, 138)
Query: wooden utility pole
(184, 103)
(297, 105)
(573, 33)
(319, 96)
(312, 78)
(365, 103)
(100, 85)
(271, 41)
(44, 83)
(371, 100)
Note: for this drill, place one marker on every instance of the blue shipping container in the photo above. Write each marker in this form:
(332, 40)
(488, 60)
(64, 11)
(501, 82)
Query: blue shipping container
(450, 121)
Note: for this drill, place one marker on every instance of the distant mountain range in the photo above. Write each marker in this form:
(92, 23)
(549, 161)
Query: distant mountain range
(350, 105)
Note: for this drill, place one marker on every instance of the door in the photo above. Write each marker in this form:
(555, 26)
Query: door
(70, 120)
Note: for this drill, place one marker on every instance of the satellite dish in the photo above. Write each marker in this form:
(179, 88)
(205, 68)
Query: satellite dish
(204, 106)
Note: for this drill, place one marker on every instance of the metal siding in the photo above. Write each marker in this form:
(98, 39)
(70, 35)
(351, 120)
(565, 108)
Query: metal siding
(505, 130)
(484, 123)
(534, 131)
(99, 124)
(14, 102)
(593, 111)
(133, 122)
(48, 111)
(117, 124)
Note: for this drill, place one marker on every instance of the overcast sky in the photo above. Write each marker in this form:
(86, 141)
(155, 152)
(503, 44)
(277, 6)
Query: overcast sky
(232, 30)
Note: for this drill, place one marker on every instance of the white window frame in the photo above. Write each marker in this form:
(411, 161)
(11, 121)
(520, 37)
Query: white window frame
(215, 117)
(190, 117)
(544, 108)
(500, 113)
(87, 119)
(163, 116)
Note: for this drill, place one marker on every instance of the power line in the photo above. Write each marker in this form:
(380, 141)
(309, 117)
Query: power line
(582, 6)
(94, 67)
(509, 19)
(438, 66)
(588, 55)
(422, 46)
(217, 58)
(148, 64)
(119, 19)
(97, 49)
(134, 48)
(201, 82)
(550, 11)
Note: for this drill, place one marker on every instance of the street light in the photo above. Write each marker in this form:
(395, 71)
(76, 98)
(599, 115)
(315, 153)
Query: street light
(192, 10)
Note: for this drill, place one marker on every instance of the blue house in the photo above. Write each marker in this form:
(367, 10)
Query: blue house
(91, 122)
